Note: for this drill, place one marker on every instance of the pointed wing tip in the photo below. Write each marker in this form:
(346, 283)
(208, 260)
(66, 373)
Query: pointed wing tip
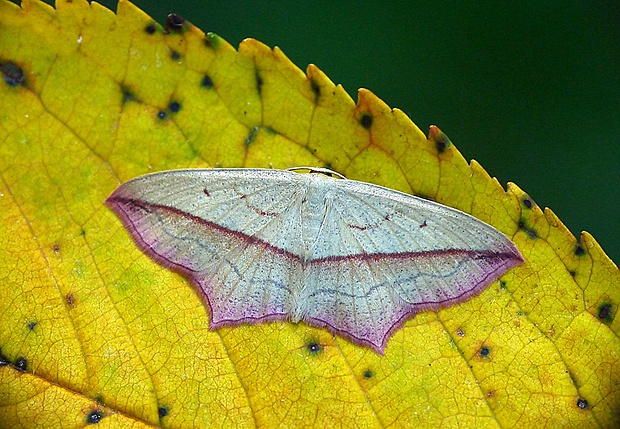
(122, 196)
(113, 199)
(510, 258)
(380, 350)
(516, 253)
(521, 259)
(110, 202)
(115, 203)
(515, 259)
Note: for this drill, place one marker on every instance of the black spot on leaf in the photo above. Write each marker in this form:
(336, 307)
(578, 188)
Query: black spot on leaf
(366, 121)
(316, 89)
(259, 82)
(460, 332)
(32, 325)
(128, 94)
(12, 74)
(252, 136)
(442, 142)
(21, 364)
(56, 248)
(582, 403)
(161, 114)
(175, 23)
(531, 232)
(163, 411)
(485, 351)
(4, 361)
(527, 202)
(207, 82)
(313, 347)
(605, 312)
(175, 55)
(368, 374)
(150, 29)
(174, 106)
(94, 416)
(579, 250)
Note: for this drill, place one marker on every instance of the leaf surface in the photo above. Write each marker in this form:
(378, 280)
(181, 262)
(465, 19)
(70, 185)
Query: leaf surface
(94, 330)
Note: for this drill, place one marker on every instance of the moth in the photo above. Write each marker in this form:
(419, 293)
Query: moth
(266, 245)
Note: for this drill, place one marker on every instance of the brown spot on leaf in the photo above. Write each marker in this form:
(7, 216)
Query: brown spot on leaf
(70, 300)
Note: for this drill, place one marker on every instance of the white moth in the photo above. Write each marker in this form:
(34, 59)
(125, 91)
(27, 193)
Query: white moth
(264, 245)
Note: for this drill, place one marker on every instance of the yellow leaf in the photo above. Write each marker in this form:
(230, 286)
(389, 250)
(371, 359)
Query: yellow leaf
(94, 331)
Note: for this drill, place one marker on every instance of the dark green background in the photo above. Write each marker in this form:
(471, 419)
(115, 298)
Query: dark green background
(530, 91)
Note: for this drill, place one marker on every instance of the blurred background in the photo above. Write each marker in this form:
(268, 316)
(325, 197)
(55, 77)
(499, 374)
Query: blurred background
(530, 90)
